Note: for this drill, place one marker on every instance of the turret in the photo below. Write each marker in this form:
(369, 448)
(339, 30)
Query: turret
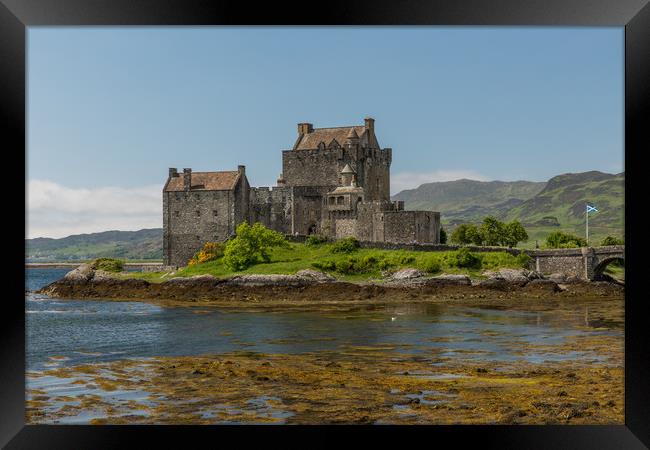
(348, 175)
(352, 138)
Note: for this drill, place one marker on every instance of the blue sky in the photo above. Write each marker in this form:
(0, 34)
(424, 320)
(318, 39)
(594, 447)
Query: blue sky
(110, 109)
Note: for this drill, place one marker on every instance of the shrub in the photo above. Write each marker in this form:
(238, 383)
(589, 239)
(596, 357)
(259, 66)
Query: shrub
(315, 239)
(430, 265)
(612, 240)
(559, 239)
(464, 258)
(251, 245)
(346, 245)
(443, 236)
(324, 265)
(209, 252)
(108, 264)
(345, 266)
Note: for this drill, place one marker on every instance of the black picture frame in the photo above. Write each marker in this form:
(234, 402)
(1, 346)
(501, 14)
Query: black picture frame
(634, 15)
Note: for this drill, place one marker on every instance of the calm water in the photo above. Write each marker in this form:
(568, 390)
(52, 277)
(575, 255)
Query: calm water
(90, 331)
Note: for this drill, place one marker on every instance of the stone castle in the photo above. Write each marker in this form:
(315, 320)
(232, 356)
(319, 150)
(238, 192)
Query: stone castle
(334, 182)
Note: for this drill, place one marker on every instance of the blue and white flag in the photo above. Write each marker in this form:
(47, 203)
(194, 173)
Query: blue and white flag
(591, 209)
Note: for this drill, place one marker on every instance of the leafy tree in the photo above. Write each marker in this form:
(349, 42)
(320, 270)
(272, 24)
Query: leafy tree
(560, 239)
(459, 235)
(514, 232)
(612, 240)
(251, 245)
(474, 235)
(443, 236)
(492, 231)
(466, 234)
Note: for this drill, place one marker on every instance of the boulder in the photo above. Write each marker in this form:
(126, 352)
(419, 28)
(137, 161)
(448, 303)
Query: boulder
(83, 273)
(517, 276)
(535, 275)
(557, 277)
(449, 279)
(269, 279)
(314, 275)
(102, 275)
(494, 283)
(407, 274)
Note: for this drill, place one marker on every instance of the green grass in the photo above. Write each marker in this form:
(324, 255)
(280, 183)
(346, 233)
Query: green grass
(299, 256)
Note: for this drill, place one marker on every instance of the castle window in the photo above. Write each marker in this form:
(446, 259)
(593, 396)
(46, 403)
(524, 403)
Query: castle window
(214, 212)
(198, 213)
(177, 213)
(331, 200)
(339, 200)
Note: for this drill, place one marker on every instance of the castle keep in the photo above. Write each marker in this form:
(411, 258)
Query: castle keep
(334, 181)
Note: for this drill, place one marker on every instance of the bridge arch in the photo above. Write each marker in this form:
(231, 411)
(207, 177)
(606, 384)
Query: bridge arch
(599, 269)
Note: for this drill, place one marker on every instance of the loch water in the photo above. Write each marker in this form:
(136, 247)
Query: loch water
(71, 332)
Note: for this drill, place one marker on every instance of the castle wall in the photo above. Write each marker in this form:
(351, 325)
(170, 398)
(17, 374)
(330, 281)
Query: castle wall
(192, 218)
(323, 168)
(407, 227)
(314, 167)
(272, 207)
(346, 228)
(308, 208)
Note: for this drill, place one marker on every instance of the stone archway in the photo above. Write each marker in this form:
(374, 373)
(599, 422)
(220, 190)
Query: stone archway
(312, 229)
(602, 265)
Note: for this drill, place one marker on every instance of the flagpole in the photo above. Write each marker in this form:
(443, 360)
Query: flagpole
(587, 222)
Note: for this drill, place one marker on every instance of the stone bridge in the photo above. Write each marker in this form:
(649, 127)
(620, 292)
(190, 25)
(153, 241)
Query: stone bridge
(587, 263)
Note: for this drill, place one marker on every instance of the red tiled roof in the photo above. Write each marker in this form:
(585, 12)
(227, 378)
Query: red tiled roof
(311, 140)
(205, 181)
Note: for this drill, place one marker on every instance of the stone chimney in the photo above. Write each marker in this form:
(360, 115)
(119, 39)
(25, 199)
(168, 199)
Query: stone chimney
(173, 172)
(305, 128)
(241, 170)
(187, 179)
(369, 123)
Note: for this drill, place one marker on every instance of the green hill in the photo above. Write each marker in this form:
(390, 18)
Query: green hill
(558, 204)
(469, 200)
(142, 244)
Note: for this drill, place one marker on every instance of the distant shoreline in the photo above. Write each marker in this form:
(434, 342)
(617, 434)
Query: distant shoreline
(55, 264)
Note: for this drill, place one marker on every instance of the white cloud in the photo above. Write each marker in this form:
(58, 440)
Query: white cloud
(56, 211)
(411, 180)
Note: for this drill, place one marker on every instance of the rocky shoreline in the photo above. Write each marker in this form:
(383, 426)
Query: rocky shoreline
(310, 287)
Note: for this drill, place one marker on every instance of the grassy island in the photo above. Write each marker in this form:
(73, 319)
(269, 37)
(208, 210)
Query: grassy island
(357, 264)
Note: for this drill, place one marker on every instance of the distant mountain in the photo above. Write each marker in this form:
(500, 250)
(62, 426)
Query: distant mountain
(564, 197)
(469, 200)
(142, 244)
(558, 204)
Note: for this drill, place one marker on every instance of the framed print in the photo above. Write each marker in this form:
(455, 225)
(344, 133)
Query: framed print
(408, 218)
